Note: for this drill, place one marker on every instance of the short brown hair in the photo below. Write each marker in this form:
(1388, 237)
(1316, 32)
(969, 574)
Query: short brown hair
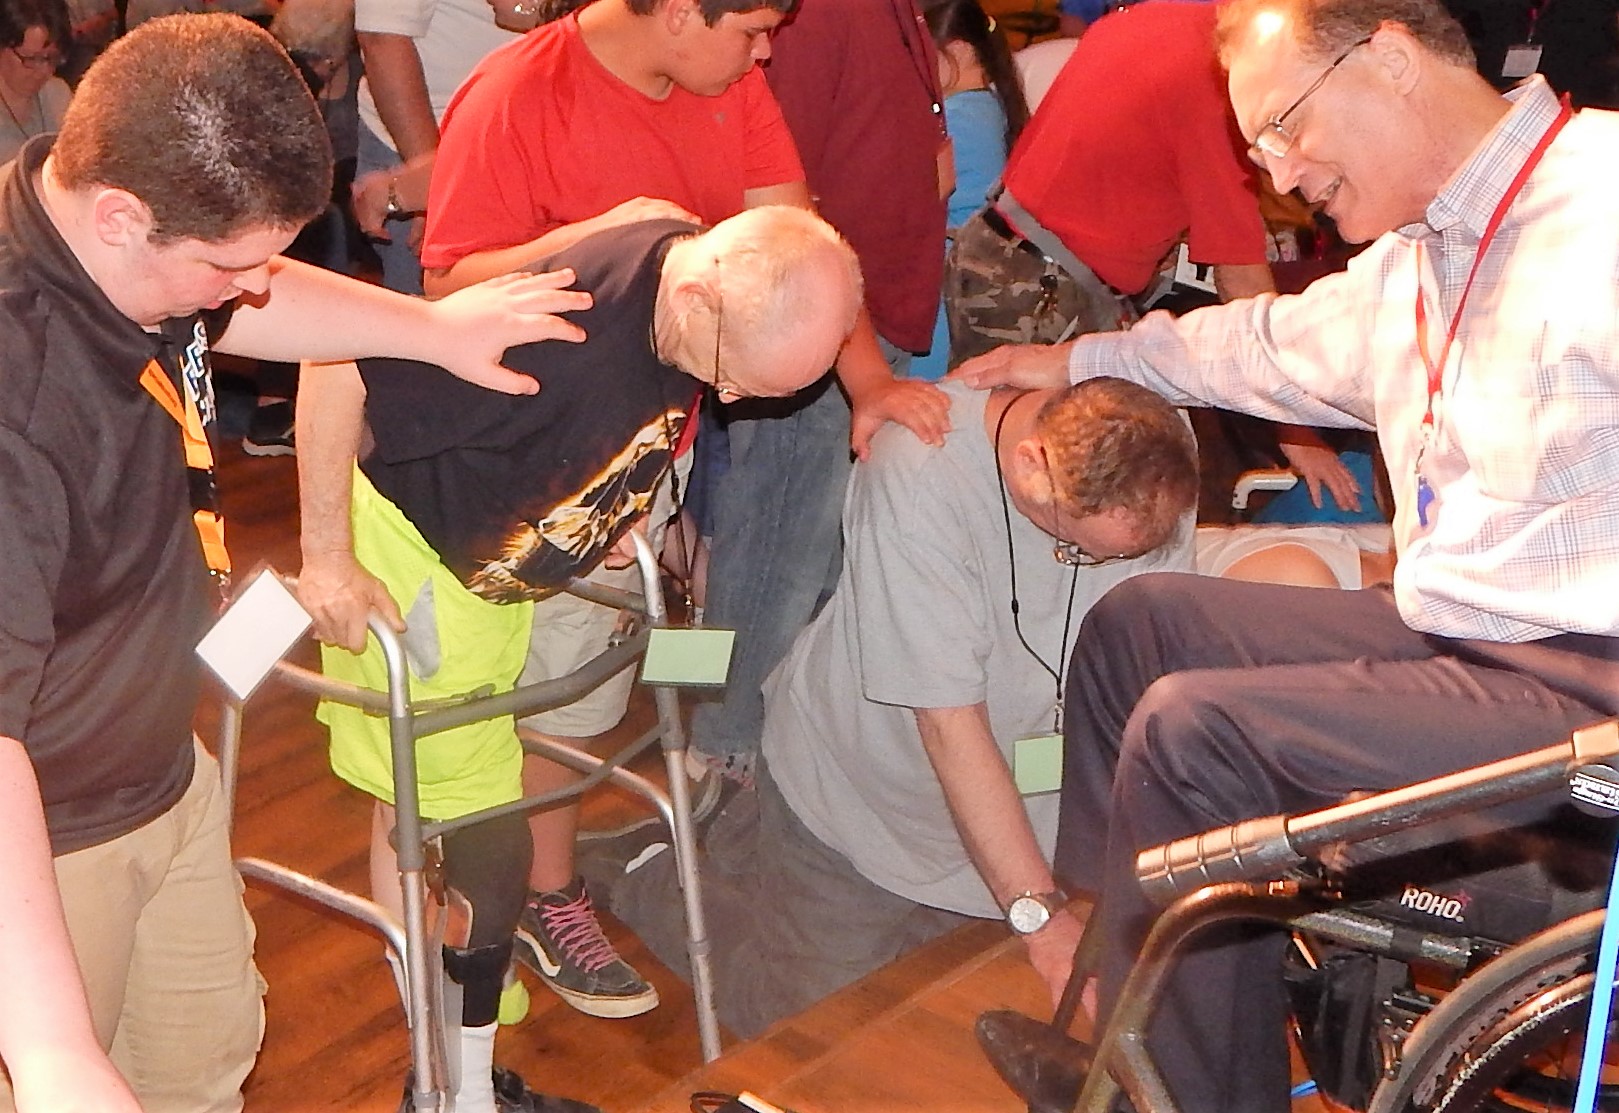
(17, 16)
(207, 121)
(1114, 445)
(713, 9)
(1326, 28)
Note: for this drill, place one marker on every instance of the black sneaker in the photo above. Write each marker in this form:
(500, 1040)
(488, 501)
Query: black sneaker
(605, 861)
(512, 1095)
(560, 939)
(270, 431)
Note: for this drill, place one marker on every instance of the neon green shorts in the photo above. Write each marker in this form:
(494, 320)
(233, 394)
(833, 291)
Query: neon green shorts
(477, 644)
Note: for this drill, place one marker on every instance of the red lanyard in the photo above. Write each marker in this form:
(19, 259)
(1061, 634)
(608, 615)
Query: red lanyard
(199, 458)
(1436, 370)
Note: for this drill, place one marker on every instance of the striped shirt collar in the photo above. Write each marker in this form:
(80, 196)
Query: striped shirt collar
(1473, 192)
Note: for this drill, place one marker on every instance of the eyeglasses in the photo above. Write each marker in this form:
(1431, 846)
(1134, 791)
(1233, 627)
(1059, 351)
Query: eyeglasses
(49, 60)
(1070, 555)
(1274, 140)
(727, 391)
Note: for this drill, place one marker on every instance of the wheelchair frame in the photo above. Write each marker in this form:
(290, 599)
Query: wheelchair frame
(1449, 1054)
(423, 1000)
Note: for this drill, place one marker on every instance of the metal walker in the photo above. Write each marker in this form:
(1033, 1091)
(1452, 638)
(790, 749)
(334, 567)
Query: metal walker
(410, 943)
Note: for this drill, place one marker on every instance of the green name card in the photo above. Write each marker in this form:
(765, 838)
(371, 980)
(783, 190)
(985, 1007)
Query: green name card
(1037, 764)
(688, 658)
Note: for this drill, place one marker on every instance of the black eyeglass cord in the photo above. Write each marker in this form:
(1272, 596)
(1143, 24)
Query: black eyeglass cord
(687, 555)
(1011, 560)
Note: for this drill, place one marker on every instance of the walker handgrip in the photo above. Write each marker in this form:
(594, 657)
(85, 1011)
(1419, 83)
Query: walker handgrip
(1254, 848)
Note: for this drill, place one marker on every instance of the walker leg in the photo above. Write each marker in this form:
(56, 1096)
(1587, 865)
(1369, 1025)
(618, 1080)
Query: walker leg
(673, 737)
(698, 946)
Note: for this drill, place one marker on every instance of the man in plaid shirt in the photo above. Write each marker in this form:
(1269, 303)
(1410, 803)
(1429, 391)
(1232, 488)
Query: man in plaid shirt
(1477, 336)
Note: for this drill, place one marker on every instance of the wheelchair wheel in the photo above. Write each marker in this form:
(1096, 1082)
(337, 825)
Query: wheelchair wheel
(1509, 1037)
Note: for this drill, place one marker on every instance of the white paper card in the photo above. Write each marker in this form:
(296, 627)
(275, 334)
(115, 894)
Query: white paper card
(256, 630)
(1522, 60)
(1199, 276)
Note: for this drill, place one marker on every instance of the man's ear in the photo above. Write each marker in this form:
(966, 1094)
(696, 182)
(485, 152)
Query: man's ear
(1031, 472)
(692, 293)
(1397, 54)
(119, 218)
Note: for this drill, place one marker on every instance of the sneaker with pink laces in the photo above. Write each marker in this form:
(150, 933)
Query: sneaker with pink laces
(560, 939)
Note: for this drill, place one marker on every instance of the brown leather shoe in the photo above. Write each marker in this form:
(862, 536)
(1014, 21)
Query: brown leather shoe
(1044, 1067)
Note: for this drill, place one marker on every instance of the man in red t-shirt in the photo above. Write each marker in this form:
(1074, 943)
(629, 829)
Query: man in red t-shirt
(627, 110)
(1133, 149)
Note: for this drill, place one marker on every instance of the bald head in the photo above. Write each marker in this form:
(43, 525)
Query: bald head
(773, 291)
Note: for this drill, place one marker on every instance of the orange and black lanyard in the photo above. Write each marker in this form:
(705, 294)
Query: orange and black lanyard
(199, 467)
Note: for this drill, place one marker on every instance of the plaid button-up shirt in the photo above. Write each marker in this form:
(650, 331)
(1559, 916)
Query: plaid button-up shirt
(1521, 539)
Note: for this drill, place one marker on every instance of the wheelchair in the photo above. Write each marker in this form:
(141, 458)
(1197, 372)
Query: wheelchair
(1503, 1032)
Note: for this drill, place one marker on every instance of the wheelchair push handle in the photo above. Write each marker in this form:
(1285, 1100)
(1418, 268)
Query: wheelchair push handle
(1266, 848)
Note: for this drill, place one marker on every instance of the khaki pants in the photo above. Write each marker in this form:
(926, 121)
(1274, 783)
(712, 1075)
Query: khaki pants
(166, 948)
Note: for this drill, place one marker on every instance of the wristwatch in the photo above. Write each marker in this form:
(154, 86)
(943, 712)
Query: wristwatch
(1029, 912)
(394, 208)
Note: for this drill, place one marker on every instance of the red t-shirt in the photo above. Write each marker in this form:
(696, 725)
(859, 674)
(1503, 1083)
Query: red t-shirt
(1135, 145)
(543, 135)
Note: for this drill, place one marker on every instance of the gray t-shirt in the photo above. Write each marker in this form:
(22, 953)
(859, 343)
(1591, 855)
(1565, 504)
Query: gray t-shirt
(922, 618)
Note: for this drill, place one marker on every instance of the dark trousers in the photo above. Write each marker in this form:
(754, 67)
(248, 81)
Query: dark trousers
(790, 919)
(1194, 703)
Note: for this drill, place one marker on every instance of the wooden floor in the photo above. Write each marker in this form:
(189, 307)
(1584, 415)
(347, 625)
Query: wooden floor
(899, 1040)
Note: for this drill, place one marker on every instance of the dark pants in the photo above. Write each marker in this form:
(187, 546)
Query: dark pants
(790, 919)
(1194, 703)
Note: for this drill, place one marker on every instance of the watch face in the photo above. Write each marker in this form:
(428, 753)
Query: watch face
(1027, 914)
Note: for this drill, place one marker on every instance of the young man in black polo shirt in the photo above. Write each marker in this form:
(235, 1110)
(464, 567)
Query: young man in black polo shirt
(192, 155)
(475, 513)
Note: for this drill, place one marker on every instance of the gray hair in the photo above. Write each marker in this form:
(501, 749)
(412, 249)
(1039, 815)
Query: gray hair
(769, 290)
(1326, 28)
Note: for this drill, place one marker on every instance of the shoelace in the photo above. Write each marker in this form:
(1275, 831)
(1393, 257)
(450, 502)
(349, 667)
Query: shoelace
(577, 931)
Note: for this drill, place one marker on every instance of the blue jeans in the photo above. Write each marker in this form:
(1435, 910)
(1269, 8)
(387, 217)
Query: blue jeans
(777, 547)
(401, 269)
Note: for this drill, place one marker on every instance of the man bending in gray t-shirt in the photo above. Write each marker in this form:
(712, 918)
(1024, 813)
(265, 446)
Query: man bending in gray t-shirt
(886, 809)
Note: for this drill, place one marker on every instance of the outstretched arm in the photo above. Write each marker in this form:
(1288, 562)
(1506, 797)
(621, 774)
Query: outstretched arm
(480, 266)
(332, 586)
(995, 828)
(314, 314)
(1029, 366)
(47, 1039)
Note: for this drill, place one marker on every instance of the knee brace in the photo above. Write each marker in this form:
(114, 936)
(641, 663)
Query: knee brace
(487, 865)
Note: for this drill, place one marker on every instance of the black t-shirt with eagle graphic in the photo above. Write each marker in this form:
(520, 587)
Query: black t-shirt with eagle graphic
(517, 494)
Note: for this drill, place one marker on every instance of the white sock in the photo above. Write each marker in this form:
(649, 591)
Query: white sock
(477, 1090)
(696, 767)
